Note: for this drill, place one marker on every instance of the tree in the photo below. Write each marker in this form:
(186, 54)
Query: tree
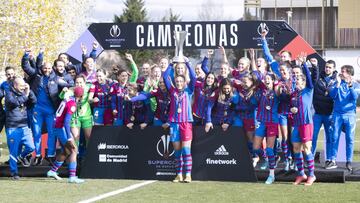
(171, 17)
(210, 10)
(135, 12)
(39, 23)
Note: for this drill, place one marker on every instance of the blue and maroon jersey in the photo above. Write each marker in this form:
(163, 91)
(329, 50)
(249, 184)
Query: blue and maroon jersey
(102, 92)
(238, 75)
(118, 103)
(163, 104)
(223, 110)
(180, 105)
(247, 104)
(302, 100)
(180, 101)
(140, 113)
(90, 77)
(141, 82)
(286, 86)
(268, 104)
(202, 98)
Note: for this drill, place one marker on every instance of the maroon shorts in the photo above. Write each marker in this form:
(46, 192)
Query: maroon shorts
(249, 124)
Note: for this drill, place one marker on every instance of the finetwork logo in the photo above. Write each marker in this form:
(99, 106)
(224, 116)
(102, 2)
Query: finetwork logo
(115, 31)
(210, 161)
(221, 151)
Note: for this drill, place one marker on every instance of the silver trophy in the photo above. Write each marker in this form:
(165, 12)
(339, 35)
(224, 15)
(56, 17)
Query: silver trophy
(180, 37)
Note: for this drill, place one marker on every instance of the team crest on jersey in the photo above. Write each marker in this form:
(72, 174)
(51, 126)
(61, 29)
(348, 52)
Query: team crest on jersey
(257, 125)
(73, 109)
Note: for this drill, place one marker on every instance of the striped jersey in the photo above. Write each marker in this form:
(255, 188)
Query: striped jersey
(268, 105)
(102, 92)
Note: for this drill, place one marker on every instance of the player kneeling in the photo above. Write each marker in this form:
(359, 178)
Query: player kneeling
(62, 131)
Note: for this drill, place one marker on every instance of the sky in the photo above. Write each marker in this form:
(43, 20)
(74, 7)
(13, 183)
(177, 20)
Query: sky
(104, 10)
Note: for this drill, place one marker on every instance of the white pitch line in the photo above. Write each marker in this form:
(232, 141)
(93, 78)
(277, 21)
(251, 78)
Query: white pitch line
(122, 190)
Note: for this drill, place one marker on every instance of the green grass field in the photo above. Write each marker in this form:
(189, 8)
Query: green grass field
(49, 190)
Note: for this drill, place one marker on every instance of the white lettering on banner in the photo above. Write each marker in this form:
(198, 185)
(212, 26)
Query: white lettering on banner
(102, 146)
(150, 37)
(187, 28)
(198, 35)
(233, 39)
(112, 158)
(165, 36)
(211, 35)
(161, 35)
(220, 161)
(223, 36)
(139, 40)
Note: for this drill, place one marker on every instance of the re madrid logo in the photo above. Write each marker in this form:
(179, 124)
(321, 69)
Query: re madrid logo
(115, 31)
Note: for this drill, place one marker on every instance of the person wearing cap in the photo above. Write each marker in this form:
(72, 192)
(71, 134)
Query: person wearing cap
(62, 131)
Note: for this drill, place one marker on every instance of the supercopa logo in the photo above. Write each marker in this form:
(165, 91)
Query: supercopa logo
(115, 31)
(262, 28)
(164, 148)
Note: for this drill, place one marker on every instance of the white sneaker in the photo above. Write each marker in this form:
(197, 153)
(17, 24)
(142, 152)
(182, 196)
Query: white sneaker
(255, 160)
(52, 174)
(76, 180)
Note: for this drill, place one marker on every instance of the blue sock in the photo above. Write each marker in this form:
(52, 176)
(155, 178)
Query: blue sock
(258, 152)
(56, 165)
(187, 159)
(285, 149)
(72, 169)
(179, 162)
(299, 163)
(250, 147)
(310, 162)
(271, 157)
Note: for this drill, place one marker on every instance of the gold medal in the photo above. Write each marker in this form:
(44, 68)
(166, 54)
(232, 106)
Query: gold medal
(132, 118)
(179, 110)
(268, 108)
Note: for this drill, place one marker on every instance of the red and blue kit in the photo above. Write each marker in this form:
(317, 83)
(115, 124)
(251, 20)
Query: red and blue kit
(267, 117)
(245, 108)
(63, 119)
(303, 118)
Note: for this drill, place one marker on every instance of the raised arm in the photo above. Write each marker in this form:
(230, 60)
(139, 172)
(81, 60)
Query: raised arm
(204, 65)
(192, 76)
(166, 76)
(25, 64)
(309, 83)
(141, 97)
(135, 72)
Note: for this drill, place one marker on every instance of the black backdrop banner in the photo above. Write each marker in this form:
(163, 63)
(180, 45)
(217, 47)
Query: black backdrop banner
(121, 153)
(201, 35)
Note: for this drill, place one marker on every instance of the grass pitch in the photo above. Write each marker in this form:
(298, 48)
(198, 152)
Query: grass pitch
(48, 190)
